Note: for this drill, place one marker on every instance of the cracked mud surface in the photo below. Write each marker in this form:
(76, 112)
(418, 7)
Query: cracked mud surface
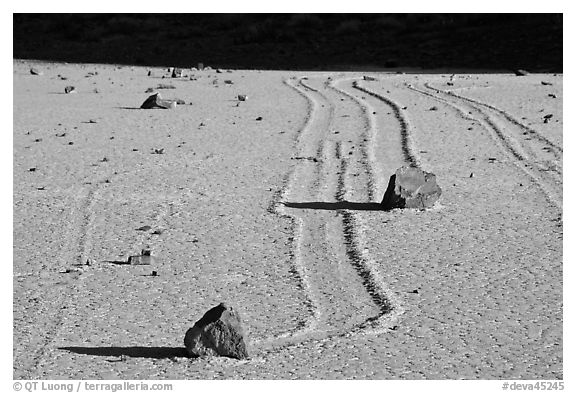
(279, 218)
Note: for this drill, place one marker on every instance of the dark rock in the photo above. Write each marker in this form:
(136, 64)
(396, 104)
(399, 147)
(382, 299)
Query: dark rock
(521, 72)
(69, 89)
(411, 187)
(546, 83)
(368, 78)
(177, 73)
(219, 332)
(552, 95)
(34, 71)
(156, 101)
(242, 97)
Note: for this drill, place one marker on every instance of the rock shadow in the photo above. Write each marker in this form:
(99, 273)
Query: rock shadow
(343, 205)
(133, 352)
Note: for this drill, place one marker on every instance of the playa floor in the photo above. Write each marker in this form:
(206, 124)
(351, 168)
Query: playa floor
(271, 205)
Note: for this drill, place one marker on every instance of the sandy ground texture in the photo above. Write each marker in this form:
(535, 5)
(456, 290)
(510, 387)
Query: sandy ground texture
(271, 205)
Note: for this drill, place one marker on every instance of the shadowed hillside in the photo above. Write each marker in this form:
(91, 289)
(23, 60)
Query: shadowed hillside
(296, 41)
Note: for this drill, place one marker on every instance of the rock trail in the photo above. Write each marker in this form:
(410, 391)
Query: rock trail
(506, 133)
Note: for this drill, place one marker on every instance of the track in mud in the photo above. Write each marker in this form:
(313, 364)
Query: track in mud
(346, 292)
(75, 257)
(530, 151)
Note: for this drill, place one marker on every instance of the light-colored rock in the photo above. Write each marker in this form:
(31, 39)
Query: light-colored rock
(145, 258)
(411, 187)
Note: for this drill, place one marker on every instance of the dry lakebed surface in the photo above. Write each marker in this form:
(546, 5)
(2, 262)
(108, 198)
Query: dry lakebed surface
(271, 205)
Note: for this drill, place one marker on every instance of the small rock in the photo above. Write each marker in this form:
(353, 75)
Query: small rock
(32, 169)
(144, 228)
(546, 83)
(154, 273)
(368, 78)
(96, 91)
(411, 187)
(156, 101)
(158, 151)
(219, 332)
(145, 258)
(177, 73)
(242, 97)
(34, 71)
(472, 175)
(69, 89)
(149, 73)
(219, 71)
(259, 118)
(228, 82)
(200, 66)
(547, 118)
(552, 95)
(149, 90)
(521, 72)
(434, 108)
